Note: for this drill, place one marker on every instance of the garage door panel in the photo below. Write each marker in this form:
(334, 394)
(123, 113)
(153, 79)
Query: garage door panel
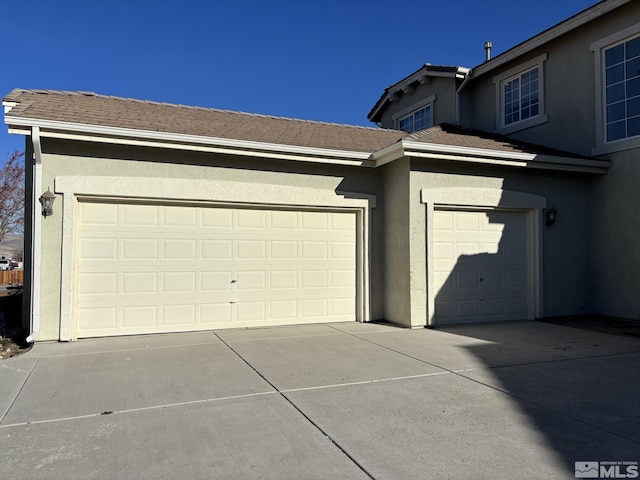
(179, 217)
(178, 282)
(97, 283)
(98, 249)
(179, 315)
(162, 268)
(216, 281)
(140, 249)
(179, 249)
(140, 215)
(480, 267)
(136, 317)
(216, 249)
(212, 314)
(283, 279)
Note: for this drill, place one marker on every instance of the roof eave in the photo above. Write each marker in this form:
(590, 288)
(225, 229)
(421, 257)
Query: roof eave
(546, 36)
(407, 148)
(416, 76)
(177, 141)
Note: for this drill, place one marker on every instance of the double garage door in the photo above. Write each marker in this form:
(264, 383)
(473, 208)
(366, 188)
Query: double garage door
(481, 266)
(152, 268)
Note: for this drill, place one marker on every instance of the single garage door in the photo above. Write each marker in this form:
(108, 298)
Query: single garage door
(480, 264)
(148, 268)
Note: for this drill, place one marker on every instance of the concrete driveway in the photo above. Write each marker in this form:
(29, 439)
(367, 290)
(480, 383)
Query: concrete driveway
(359, 401)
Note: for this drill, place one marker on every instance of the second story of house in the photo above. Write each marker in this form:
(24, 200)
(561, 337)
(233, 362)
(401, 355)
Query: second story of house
(573, 87)
(425, 98)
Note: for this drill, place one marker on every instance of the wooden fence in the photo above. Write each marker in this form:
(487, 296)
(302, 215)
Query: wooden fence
(11, 277)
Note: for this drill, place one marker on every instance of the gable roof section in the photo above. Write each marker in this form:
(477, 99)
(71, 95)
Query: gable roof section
(419, 76)
(99, 118)
(571, 23)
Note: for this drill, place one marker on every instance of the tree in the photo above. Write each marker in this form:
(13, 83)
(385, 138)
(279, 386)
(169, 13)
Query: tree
(12, 194)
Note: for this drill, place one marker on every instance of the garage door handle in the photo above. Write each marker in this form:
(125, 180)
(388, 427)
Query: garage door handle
(234, 281)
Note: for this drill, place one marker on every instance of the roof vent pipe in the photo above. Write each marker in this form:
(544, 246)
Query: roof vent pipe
(487, 51)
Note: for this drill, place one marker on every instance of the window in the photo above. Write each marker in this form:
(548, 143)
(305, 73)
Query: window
(521, 100)
(520, 96)
(418, 120)
(416, 117)
(622, 90)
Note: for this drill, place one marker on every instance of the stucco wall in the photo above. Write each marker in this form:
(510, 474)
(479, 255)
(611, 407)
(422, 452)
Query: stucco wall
(63, 158)
(616, 238)
(569, 87)
(443, 107)
(565, 245)
(397, 285)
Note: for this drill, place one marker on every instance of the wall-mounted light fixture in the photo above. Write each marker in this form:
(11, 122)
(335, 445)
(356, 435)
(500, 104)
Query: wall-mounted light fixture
(46, 200)
(552, 214)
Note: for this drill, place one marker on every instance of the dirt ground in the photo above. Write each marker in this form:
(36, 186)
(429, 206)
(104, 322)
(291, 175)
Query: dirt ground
(12, 335)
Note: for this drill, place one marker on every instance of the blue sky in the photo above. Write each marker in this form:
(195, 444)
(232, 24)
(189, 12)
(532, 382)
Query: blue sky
(326, 60)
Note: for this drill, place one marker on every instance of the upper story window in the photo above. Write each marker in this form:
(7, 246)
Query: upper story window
(417, 117)
(617, 69)
(521, 99)
(520, 96)
(418, 120)
(622, 90)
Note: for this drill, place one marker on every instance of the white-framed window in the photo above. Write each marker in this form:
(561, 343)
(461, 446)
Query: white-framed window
(622, 90)
(417, 117)
(520, 96)
(617, 68)
(418, 120)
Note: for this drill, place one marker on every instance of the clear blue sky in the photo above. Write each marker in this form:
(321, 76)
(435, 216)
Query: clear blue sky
(326, 60)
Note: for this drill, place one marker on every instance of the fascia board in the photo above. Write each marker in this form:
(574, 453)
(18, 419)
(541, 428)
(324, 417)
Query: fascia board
(388, 154)
(542, 38)
(537, 162)
(105, 134)
(462, 72)
(497, 157)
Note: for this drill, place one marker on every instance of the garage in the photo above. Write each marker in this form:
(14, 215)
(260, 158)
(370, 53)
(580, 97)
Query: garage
(481, 266)
(153, 268)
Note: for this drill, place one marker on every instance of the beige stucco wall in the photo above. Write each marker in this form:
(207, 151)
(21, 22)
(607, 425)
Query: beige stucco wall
(64, 159)
(396, 261)
(565, 283)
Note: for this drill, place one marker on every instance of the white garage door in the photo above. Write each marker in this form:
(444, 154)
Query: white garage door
(144, 268)
(480, 263)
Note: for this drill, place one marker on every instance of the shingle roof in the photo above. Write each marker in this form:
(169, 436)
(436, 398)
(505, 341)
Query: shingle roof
(93, 109)
(446, 134)
(100, 110)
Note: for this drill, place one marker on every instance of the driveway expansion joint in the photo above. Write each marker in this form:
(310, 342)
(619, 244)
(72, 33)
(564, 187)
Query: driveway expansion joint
(299, 410)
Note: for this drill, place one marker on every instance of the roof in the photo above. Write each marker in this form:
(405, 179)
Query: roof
(446, 134)
(426, 70)
(94, 109)
(100, 118)
(587, 15)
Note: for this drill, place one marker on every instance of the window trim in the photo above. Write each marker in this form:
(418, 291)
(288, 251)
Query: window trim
(427, 102)
(602, 145)
(500, 80)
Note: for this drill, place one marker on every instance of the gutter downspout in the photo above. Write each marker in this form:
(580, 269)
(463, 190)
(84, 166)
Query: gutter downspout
(36, 239)
(464, 83)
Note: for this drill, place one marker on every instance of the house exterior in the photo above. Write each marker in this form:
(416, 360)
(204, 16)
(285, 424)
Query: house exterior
(574, 87)
(170, 218)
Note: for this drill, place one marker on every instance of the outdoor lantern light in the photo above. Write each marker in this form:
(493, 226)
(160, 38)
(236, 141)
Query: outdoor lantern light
(46, 200)
(552, 214)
